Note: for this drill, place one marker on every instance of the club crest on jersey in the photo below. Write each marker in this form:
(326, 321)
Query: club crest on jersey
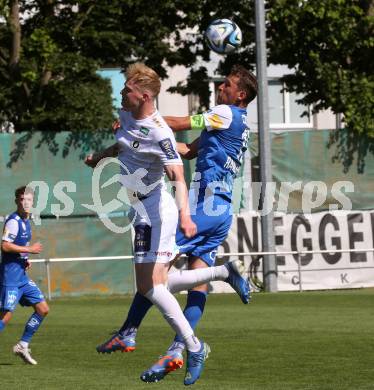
(135, 144)
(167, 147)
(144, 130)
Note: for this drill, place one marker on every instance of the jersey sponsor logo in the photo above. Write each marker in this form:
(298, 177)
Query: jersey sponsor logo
(215, 121)
(167, 147)
(164, 253)
(144, 130)
(135, 144)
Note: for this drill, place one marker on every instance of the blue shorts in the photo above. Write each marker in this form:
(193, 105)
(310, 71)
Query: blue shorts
(213, 220)
(27, 295)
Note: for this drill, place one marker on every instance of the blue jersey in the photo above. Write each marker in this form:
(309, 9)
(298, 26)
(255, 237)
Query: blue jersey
(13, 265)
(221, 148)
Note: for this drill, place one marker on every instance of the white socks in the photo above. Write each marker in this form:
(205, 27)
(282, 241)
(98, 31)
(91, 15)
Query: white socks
(185, 280)
(161, 297)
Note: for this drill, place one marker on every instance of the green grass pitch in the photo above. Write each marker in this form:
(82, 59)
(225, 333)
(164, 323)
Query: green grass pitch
(284, 341)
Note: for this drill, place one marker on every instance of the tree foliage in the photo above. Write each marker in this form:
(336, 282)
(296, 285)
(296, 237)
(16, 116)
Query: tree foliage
(330, 45)
(50, 51)
(46, 84)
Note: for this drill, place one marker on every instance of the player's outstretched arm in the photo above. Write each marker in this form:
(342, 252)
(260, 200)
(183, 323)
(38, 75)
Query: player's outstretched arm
(178, 123)
(93, 159)
(188, 151)
(176, 176)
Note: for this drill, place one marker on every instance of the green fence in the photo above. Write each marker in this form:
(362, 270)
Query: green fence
(55, 158)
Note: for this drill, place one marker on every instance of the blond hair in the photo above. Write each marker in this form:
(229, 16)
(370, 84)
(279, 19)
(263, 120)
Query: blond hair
(144, 77)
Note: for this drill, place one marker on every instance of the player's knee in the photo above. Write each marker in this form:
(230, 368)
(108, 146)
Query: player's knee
(204, 288)
(42, 310)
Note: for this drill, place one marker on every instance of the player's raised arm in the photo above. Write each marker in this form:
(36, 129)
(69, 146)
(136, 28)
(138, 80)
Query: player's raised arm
(180, 123)
(176, 175)
(93, 159)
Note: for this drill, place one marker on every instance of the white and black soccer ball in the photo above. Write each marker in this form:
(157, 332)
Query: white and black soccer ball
(223, 36)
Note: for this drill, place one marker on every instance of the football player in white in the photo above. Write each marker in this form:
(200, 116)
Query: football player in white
(145, 141)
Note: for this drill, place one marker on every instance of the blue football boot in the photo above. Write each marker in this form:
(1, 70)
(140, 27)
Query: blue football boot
(238, 280)
(117, 343)
(170, 362)
(195, 364)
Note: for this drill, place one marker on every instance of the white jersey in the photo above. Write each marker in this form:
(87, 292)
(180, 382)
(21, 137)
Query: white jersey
(146, 146)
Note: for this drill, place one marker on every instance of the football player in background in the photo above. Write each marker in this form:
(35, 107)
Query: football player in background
(15, 285)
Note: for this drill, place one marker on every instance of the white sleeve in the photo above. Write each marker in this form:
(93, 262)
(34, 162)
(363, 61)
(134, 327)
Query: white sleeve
(10, 231)
(218, 118)
(166, 147)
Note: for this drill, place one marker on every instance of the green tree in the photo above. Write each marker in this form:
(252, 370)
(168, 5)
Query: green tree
(50, 51)
(330, 44)
(44, 84)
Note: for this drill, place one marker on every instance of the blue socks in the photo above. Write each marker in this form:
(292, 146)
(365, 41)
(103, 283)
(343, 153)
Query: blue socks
(194, 309)
(2, 325)
(139, 308)
(31, 327)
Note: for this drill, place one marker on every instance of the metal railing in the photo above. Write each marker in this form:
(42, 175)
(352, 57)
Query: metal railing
(299, 254)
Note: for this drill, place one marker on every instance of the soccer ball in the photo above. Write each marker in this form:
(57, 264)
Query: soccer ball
(223, 36)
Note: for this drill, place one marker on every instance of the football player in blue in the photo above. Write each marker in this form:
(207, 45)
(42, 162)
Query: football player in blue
(219, 151)
(15, 285)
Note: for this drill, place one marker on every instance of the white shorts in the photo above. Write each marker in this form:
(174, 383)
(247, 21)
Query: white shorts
(155, 221)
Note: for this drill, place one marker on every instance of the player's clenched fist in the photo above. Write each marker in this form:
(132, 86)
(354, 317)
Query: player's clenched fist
(188, 227)
(35, 248)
